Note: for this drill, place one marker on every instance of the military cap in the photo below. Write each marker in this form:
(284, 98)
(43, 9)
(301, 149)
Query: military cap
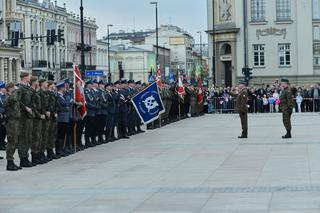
(101, 82)
(242, 82)
(109, 84)
(24, 74)
(2, 85)
(131, 82)
(89, 82)
(10, 85)
(124, 82)
(33, 79)
(60, 84)
(285, 80)
(117, 83)
(138, 82)
(94, 81)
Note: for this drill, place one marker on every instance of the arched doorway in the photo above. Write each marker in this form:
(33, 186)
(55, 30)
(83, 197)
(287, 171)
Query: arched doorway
(226, 59)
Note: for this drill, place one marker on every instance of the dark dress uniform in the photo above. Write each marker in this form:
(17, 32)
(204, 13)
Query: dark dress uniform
(242, 109)
(63, 121)
(287, 104)
(90, 118)
(102, 115)
(111, 118)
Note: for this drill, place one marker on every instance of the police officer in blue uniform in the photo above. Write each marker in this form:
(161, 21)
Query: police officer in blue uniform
(102, 113)
(3, 131)
(91, 112)
(63, 118)
(123, 109)
(111, 110)
(68, 94)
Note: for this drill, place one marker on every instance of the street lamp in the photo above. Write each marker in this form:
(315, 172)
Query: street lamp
(157, 30)
(200, 47)
(213, 45)
(109, 71)
(164, 59)
(83, 69)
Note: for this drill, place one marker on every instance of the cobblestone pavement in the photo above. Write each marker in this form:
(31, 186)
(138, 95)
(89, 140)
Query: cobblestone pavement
(196, 165)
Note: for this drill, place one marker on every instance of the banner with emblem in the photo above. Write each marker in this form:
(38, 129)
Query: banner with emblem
(148, 104)
(79, 96)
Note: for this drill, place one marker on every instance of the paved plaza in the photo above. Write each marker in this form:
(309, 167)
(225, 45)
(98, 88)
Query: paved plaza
(196, 165)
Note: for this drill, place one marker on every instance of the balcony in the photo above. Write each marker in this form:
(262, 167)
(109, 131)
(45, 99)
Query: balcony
(39, 63)
(87, 47)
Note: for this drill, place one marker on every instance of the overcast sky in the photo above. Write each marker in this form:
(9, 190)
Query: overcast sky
(128, 15)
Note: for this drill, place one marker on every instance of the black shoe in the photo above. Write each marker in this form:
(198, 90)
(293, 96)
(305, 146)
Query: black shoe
(24, 162)
(51, 154)
(12, 167)
(243, 136)
(35, 159)
(287, 136)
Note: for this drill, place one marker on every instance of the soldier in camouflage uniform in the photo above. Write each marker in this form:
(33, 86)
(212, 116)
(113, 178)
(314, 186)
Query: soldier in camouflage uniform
(287, 104)
(45, 110)
(37, 121)
(26, 120)
(12, 109)
(53, 131)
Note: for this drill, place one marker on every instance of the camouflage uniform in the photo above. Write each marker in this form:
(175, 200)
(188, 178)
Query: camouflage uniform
(287, 105)
(12, 109)
(37, 124)
(44, 95)
(26, 121)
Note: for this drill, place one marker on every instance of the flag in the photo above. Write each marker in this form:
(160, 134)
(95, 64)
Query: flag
(148, 104)
(200, 91)
(79, 92)
(158, 76)
(181, 90)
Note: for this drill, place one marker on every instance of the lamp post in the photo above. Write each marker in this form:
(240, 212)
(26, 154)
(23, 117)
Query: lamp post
(164, 59)
(213, 45)
(201, 74)
(109, 71)
(83, 69)
(157, 31)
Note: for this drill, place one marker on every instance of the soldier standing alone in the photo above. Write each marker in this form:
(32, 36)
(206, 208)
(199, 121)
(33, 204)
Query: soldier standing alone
(287, 104)
(242, 107)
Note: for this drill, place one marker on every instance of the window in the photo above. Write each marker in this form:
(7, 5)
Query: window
(316, 33)
(283, 10)
(257, 10)
(258, 55)
(284, 55)
(315, 9)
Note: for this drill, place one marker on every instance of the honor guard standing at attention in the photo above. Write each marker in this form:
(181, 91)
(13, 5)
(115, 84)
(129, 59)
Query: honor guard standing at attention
(12, 109)
(63, 118)
(287, 104)
(89, 119)
(53, 125)
(37, 122)
(111, 118)
(26, 120)
(102, 113)
(95, 94)
(2, 117)
(123, 109)
(242, 107)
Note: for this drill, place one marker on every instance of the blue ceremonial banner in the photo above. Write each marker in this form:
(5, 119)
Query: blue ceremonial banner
(148, 104)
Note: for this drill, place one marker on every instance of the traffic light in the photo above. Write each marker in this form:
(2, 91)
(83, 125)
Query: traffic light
(53, 37)
(60, 35)
(247, 72)
(15, 39)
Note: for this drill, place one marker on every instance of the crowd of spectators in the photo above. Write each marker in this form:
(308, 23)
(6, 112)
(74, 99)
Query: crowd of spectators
(264, 99)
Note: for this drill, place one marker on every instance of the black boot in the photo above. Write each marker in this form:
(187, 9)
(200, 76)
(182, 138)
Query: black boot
(51, 154)
(35, 159)
(287, 136)
(12, 167)
(100, 140)
(24, 162)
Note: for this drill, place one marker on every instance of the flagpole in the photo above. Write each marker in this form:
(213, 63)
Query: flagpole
(74, 113)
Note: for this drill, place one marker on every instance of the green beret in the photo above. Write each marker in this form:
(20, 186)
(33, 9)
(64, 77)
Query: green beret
(285, 80)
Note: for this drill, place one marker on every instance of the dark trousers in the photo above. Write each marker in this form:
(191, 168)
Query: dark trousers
(244, 123)
(3, 134)
(62, 133)
(101, 124)
(90, 127)
(80, 127)
(286, 118)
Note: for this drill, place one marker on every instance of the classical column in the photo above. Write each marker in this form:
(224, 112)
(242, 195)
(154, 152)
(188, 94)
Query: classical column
(1, 69)
(10, 69)
(17, 70)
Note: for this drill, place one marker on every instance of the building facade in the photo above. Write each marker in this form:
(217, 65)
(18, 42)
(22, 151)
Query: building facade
(276, 39)
(10, 57)
(74, 41)
(180, 44)
(40, 56)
